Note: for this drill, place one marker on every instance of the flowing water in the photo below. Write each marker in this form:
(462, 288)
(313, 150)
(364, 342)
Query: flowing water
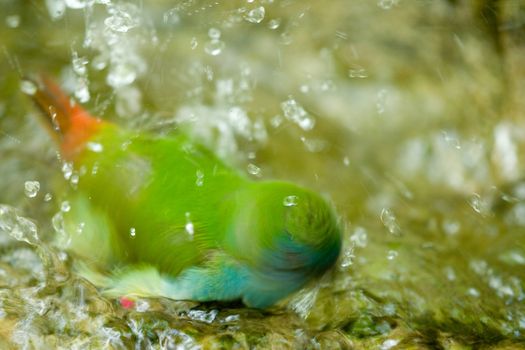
(408, 115)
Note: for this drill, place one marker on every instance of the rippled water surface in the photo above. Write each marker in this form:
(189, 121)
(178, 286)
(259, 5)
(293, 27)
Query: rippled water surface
(408, 115)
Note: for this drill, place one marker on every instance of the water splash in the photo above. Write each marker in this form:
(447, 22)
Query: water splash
(18, 227)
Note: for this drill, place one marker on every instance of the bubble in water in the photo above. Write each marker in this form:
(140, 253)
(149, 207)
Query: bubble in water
(65, 207)
(28, 87)
(290, 201)
(214, 47)
(12, 21)
(256, 15)
(76, 4)
(253, 169)
(31, 188)
(132, 231)
(56, 8)
(294, 112)
(123, 18)
(389, 221)
(18, 227)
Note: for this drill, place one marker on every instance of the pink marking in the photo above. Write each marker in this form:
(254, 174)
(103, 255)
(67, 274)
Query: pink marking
(126, 303)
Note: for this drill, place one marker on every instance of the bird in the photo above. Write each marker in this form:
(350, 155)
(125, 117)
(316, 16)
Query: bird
(154, 215)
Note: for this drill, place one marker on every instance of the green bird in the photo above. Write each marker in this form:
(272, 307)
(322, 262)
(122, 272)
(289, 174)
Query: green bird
(154, 215)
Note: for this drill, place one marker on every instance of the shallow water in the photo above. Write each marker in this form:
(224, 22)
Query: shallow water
(407, 115)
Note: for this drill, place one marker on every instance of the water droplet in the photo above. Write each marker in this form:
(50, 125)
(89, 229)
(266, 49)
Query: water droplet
(359, 237)
(28, 87)
(381, 100)
(473, 292)
(203, 316)
(253, 169)
(480, 205)
(31, 188)
(67, 170)
(132, 231)
(214, 33)
(274, 23)
(100, 62)
(80, 227)
(200, 178)
(123, 18)
(120, 75)
(56, 8)
(18, 227)
(451, 227)
(294, 112)
(76, 4)
(346, 161)
(303, 302)
(189, 228)
(256, 15)
(194, 43)
(171, 17)
(48, 197)
(65, 207)
(290, 201)
(95, 147)
(12, 21)
(142, 305)
(348, 257)
(389, 344)
(214, 47)
(389, 221)
(79, 64)
(387, 4)
(359, 73)
(82, 91)
(392, 254)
